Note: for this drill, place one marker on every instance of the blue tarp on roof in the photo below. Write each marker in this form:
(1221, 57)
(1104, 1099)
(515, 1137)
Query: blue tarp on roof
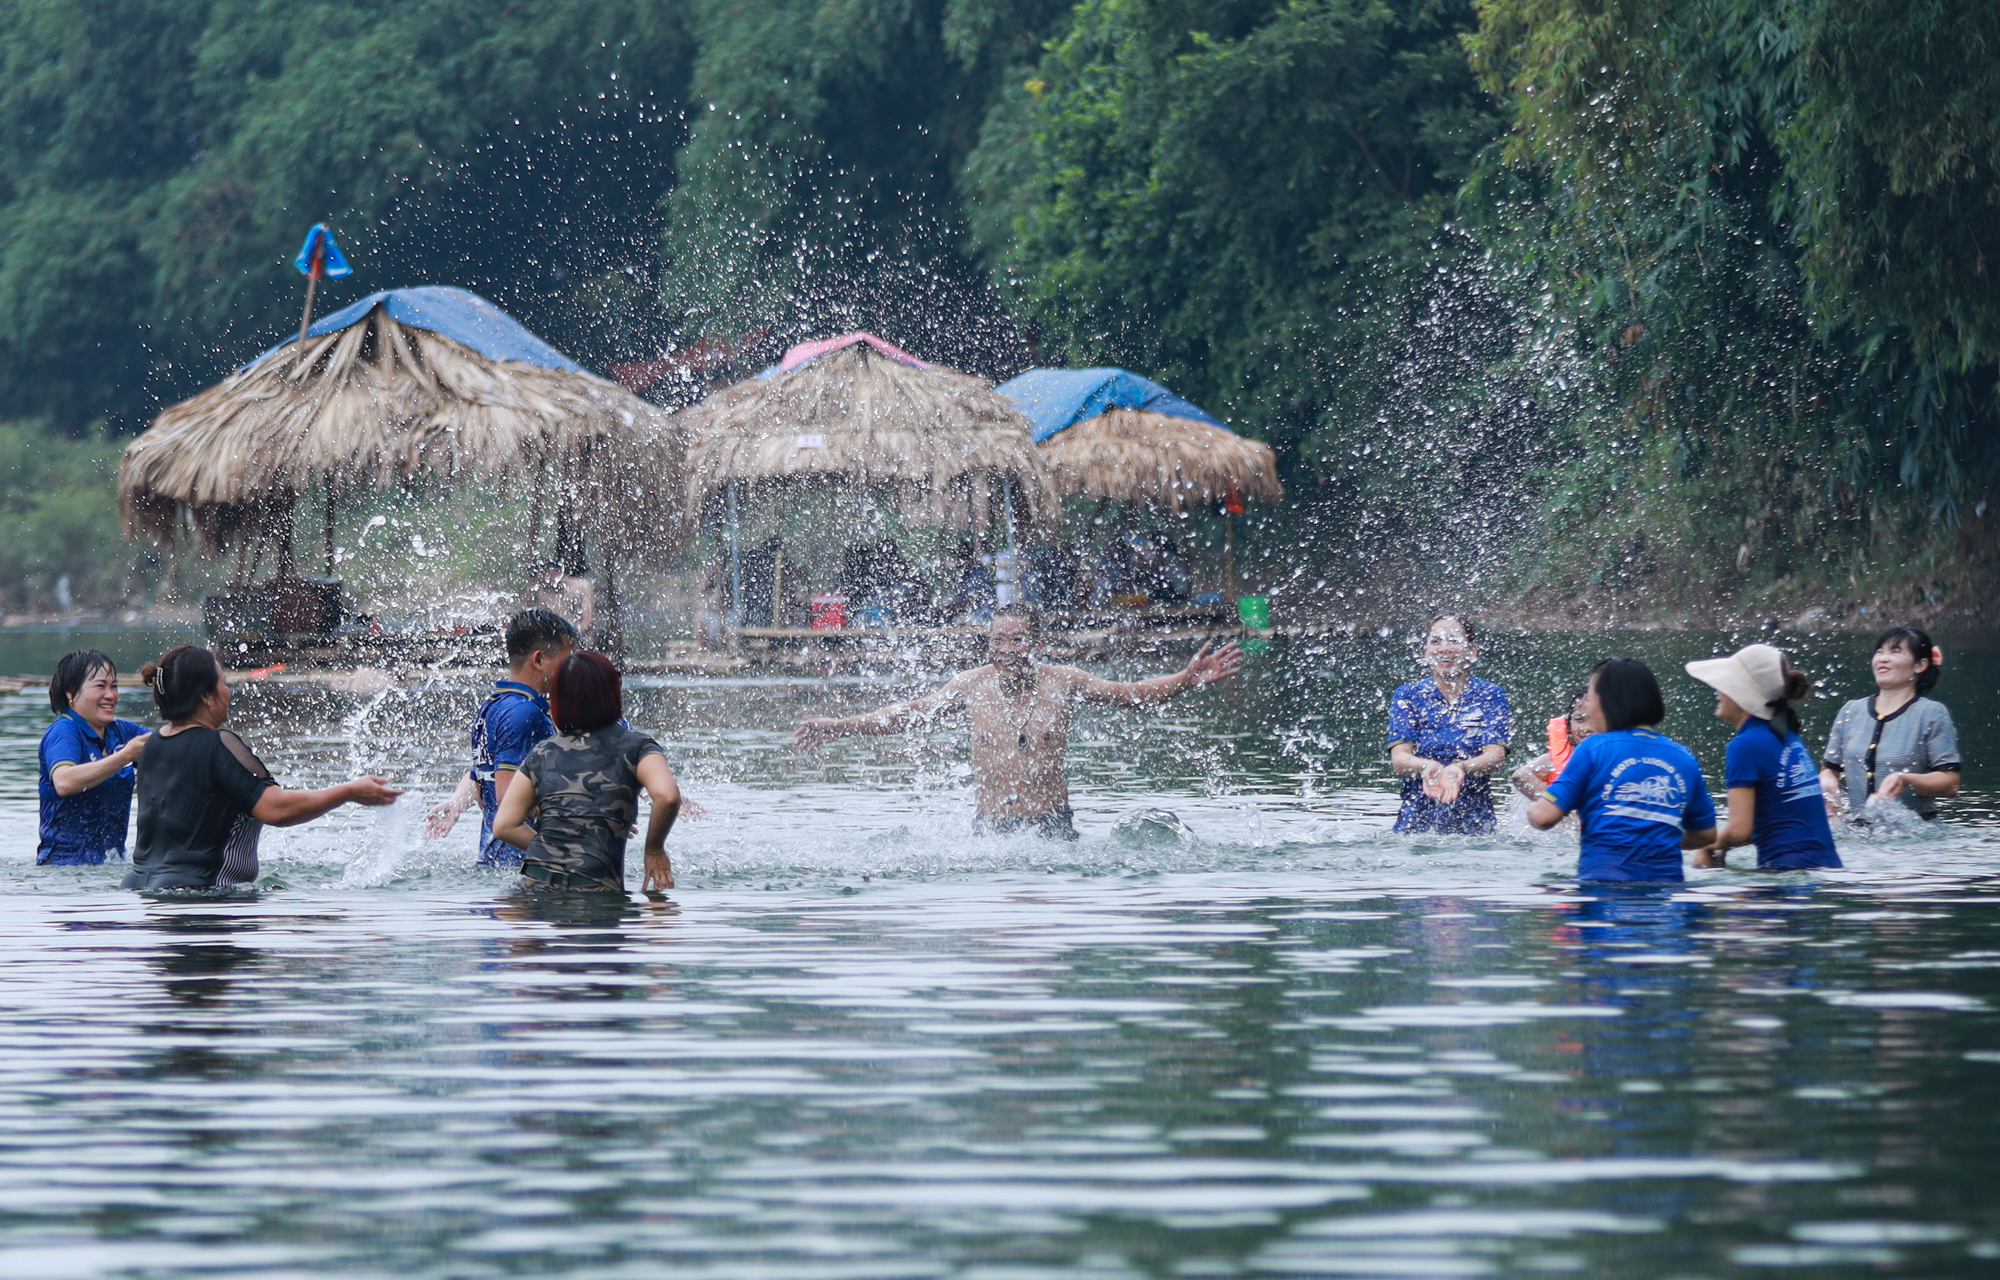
(464, 317)
(1056, 398)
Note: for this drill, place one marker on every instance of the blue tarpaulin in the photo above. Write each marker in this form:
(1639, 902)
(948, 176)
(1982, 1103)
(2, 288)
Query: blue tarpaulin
(332, 263)
(464, 317)
(1056, 398)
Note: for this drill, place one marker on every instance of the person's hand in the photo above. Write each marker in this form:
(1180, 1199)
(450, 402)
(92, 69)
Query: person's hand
(1432, 771)
(815, 733)
(1449, 780)
(1528, 780)
(1892, 786)
(1206, 667)
(130, 751)
(691, 810)
(1710, 858)
(659, 871)
(442, 818)
(372, 791)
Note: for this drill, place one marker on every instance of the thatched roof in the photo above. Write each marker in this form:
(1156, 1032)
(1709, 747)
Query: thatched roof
(1131, 455)
(378, 400)
(938, 440)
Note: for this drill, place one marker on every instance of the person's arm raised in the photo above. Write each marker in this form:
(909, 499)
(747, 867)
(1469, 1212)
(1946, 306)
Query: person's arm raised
(817, 731)
(665, 792)
(277, 807)
(74, 779)
(1206, 667)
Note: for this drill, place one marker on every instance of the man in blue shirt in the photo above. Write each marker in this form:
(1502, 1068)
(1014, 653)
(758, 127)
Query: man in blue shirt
(86, 765)
(1638, 793)
(512, 720)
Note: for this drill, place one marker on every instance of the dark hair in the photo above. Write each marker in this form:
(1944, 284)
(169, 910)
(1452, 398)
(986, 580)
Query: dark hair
(1798, 687)
(1916, 642)
(1459, 618)
(537, 630)
(72, 669)
(1024, 612)
(1627, 693)
(588, 693)
(184, 675)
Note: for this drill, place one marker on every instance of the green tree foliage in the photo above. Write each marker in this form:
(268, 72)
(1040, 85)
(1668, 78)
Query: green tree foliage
(160, 159)
(1778, 384)
(57, 504)
(819, 183)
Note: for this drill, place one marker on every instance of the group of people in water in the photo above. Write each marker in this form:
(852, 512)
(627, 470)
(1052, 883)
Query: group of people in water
(1638, 795)
(556, 771)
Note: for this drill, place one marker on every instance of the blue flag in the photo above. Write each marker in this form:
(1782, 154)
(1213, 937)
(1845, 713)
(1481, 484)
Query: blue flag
(332, 265)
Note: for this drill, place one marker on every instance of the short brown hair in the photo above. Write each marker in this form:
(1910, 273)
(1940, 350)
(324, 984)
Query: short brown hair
(588, 693)
(1030, 616)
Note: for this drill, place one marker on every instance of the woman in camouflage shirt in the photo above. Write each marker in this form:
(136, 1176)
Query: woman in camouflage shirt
(586, 781)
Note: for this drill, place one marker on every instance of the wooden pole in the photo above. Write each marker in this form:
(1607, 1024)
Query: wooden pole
(1229, 555)
(735, 564)
(329, 524)
(312, 283)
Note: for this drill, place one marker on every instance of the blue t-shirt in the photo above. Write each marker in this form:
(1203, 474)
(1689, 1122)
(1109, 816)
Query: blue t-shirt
(1791, 829)
(1447, 732)
(82, 829)
(513, 719)
(1635, 792)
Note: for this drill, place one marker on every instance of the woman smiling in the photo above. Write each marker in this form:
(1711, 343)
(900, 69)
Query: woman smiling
(1447, 734)
(86, 765)
(1898, 746)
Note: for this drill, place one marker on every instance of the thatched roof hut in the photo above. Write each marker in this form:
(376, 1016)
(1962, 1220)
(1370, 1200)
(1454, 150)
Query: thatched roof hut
(403, 385)
(1108, 433)
(858, 411)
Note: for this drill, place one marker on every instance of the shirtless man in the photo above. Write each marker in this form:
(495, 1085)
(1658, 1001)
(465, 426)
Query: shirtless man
(1020, 712)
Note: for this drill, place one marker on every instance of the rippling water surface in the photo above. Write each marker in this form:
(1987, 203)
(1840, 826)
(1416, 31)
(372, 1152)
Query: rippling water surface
(859, 1042)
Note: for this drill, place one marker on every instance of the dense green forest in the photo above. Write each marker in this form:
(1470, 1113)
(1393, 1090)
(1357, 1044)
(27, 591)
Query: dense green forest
(1637, 305)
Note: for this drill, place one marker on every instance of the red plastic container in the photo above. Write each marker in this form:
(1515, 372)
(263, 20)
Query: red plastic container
(829, 612)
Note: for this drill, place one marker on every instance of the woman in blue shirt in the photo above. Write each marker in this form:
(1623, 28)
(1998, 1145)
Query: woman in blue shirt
(1447, 734)
(1775, 800)
(1638, 793)
(86, 765)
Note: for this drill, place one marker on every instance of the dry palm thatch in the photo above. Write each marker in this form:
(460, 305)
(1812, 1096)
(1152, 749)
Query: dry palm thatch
(1130, 455)
(380, 402)
(939, 442)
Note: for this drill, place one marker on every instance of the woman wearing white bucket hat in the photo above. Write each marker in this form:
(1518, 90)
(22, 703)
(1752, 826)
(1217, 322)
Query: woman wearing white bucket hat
(1775, 801)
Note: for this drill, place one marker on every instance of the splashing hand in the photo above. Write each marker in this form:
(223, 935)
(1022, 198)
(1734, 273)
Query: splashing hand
(373, 791)
(1206, 667)
(659, 871)
(815, 733)
(442, 818)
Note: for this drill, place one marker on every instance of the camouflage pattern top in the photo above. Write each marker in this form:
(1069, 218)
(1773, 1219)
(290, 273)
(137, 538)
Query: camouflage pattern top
(587, 786)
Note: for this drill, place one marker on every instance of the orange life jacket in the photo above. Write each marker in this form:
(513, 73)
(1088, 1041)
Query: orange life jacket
(1560, 746)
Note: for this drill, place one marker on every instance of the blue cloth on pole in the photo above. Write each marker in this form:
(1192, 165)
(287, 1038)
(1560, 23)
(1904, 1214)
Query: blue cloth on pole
(464, 317)
(1056, 398)
(333, 266)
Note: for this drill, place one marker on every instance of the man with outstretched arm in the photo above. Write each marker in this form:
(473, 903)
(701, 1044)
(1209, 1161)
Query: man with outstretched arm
(1020, 713)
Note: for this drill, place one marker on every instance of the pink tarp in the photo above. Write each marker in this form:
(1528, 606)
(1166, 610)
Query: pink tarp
(807, 350)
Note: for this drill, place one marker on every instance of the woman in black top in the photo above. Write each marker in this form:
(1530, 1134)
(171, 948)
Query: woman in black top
(587, 780)
(203, 797)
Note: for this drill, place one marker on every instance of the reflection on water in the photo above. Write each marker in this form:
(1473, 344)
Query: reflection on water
(858, 1043)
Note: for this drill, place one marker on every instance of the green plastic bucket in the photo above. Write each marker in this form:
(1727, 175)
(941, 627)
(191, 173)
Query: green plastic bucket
(1255, 611)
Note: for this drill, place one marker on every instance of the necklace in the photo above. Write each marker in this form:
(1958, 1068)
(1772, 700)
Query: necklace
(1034, 687)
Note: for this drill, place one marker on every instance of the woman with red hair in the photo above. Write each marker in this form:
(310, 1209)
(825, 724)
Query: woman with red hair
(586, 782)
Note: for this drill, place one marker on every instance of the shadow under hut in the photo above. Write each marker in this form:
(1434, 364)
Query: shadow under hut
(856, 419)
(420, 384)
(1116, 437)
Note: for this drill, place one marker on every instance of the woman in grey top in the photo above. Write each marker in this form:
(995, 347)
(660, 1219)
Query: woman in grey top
(585, 782)
(1898, 745)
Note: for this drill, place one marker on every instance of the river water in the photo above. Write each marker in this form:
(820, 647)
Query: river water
(859, 1042)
